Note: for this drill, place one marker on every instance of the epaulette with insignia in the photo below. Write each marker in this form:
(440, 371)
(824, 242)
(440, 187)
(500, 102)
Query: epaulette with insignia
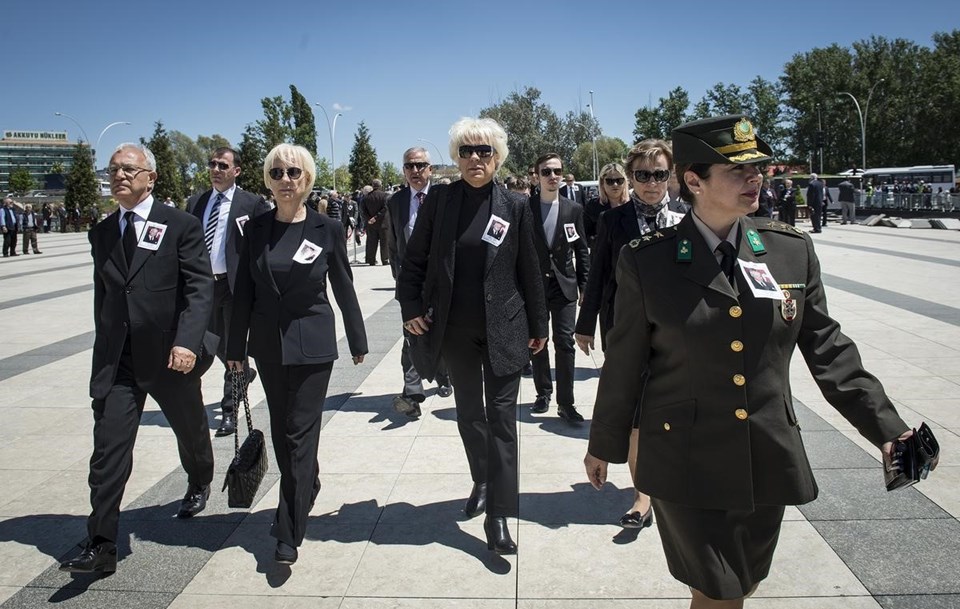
(778, 226)
(659, 235)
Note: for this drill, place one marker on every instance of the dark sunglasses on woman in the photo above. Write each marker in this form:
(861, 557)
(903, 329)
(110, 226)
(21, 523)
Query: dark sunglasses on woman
(293, 172)
(613, 181)
(483, 151)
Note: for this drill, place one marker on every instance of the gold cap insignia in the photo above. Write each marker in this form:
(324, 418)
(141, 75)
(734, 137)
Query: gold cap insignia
(743, 131)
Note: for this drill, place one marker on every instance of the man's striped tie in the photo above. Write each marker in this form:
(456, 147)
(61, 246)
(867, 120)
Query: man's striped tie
(212, 222)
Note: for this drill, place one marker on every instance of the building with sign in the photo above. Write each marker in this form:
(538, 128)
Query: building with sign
(38, 152)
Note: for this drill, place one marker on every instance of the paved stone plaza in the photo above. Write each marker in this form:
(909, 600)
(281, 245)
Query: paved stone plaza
(388, 528)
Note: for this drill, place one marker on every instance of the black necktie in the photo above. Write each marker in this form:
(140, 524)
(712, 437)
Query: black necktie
(729, 259)
(129, 237)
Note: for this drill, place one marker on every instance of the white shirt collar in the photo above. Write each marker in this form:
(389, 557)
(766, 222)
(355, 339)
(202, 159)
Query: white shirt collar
(142, 209)
(227, 194)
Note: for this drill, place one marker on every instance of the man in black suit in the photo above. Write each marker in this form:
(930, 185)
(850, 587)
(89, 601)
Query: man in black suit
(559, 238)
(402, 210)
(570, 190)
(223, 211)
(152, 305)
(8, 224)
(815, 201)
(373, 212)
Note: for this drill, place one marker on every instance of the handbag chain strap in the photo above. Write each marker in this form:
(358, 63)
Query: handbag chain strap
(237, 378)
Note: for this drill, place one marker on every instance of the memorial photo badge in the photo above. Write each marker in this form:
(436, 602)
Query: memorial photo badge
(761, 281)
(307, 252)
(496, 230)
(570, 230)
(152, 236)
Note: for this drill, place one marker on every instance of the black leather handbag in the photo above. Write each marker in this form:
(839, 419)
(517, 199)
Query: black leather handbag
(249, 459)
(912, 459)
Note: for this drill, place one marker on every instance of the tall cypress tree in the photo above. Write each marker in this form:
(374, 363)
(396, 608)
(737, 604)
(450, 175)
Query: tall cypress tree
(168, 174)
(252, 152)
(83, 187)
(304, 127)
(363, 159)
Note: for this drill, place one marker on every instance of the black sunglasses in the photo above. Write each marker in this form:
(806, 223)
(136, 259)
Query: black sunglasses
(416, 166)
(657, 175)
(613, 181)
(548, 171)
(483, 151)
(277, 173)
(218, 165)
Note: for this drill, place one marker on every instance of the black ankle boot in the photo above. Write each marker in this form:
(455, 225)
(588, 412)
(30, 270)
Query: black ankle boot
(498, 535)
(477, 502)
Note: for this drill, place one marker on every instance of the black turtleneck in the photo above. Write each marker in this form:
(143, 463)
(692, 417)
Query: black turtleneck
(466, 304)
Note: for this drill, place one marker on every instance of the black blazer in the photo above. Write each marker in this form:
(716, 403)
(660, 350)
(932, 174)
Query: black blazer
(243, 204)
(557, 262)
(295, 326)
(577, 196)
(164, 299)
(398, 214)
(514, 301)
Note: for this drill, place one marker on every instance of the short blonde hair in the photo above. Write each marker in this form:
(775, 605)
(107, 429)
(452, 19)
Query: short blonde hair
(618, 169)
(649, 150)
(477, 131)
(294, 156)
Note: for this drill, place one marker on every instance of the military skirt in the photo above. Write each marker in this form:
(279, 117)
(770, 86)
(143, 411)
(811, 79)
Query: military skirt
(722, 553)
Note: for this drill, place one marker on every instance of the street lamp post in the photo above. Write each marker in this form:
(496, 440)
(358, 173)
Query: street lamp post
(77, 123)
(86, 138)
(435, 147)
(100, 137)
(593, 138)
(820, 138)
(332, 128)
(863, 122)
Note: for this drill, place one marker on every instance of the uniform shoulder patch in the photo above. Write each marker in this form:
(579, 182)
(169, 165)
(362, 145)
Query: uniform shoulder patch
(661, 234)
(780, 227)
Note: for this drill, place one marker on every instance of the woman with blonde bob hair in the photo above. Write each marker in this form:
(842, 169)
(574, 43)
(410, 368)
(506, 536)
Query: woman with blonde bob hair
(470, 291)
(281, 301)
(613, 192)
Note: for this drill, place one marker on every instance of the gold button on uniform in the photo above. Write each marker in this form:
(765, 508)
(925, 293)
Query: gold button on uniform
(741, 414)
(739, 380)
(735, 311)
(666, 426)
(736, 346)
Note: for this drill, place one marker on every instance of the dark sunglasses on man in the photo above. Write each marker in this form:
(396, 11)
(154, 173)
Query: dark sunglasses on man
(415, 166)
(548, 171)
(482, 151)
(218, 165)
(277, 173)
(657, 175)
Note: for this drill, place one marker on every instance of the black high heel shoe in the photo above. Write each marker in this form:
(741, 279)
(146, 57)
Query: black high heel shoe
(498, 535)
(636, 520)
(477, 502)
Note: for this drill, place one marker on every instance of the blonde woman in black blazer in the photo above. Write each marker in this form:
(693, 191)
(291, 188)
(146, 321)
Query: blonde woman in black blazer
(469, 289)
(281, 300)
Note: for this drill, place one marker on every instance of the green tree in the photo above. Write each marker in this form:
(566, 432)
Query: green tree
(762, 105)
(275, 127)
(390, 174)
(169, 183)
(210, 143)
(344, 179)
(83, 187)
(190, 159)
(21, 182)
(532, 127)
(324, 173)
(660, 120)
(363, 159)
(577, 129)
(940, 128)
(252, 152)
(609, 150)
(304, 127)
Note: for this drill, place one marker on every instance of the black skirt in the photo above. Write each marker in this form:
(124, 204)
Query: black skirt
(722, 553)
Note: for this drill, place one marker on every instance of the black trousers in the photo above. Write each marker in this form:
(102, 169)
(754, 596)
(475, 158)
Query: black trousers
(412, 383)
(377, 235)
(788, 213)
(563, 318)
(116, 420)
(486, 416)
(220, 325)
(295, 397)
(815, 215)
(10, 242)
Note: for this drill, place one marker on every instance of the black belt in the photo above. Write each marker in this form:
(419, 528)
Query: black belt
(220, 277)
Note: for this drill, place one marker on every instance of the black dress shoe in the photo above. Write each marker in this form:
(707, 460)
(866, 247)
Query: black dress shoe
(636, 520)
(444, 391)
(407, 405)
(285, 554)
(541, 405)
(194, 501)
(228, 426)
(498, 535)
(101, 557)
(569, 413)
(477, 502)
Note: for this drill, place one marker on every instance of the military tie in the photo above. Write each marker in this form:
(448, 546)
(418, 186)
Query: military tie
(212, 221)
(129, 237)
(729, 259)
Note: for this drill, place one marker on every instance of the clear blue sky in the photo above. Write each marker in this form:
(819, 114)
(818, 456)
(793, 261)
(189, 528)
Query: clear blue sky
(408, 69)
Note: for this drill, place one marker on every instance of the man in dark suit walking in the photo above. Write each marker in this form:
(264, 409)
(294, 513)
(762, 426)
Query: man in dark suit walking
(402, 210)
(815, 201)
(373, 212)
(152, 304)
(570, 190)
(558, 237)
(223, 211)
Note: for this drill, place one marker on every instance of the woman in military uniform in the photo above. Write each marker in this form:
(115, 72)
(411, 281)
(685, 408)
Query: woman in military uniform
(720, 451)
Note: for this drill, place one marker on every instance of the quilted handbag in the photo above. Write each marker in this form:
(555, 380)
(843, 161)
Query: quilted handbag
(250, 458)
